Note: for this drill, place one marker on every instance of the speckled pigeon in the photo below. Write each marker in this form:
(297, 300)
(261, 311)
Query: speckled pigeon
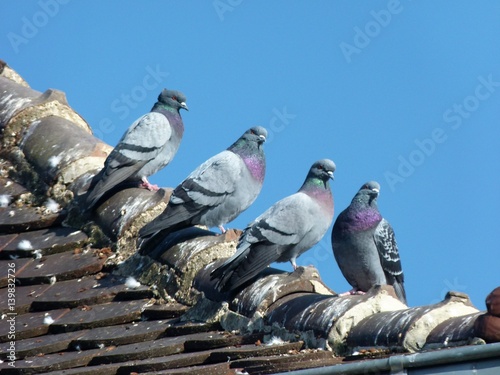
(283, 232)
(217, 191)
(146, 147)
(364, 245)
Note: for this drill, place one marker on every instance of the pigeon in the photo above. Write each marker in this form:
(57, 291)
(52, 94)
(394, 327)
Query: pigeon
(282, 233)
(146, 147)
(216, 192)
(365, 247)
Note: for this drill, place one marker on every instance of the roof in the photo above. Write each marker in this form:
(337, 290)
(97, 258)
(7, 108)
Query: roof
(80, 299)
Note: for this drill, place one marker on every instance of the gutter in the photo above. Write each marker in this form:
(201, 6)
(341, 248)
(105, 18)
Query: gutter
(397, 364)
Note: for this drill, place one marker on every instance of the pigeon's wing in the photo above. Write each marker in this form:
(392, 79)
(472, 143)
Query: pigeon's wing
(142, 142)
(389, 257)
(145, 139)
(265, 240)
(212, 181)
(205, 187)
(282, 224)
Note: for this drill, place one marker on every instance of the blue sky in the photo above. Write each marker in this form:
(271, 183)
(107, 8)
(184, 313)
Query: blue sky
(403, 92)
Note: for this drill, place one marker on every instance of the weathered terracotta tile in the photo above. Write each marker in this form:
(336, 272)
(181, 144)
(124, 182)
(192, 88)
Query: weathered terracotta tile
(11, 188)
(6, 240)
(217, 369)
(53, 143)
(87, 291)
(19, 97)
(213, 340)
(47, 241)
(167, 311)
(63, 266)
(127, 294)
(142, 350)
(291, 311)
(408, 329)
(53, 362)
(88, 370)
(122, 334)
(452, 332)
(7, 267)
(254, 350)
(92, 370)
(297, 361)
(24, 297)
(112, 313)
(187, 328)
(267, 290)
(487, 327)
(131, 203)
(493, 302)
(73, 293)
(21, 219)
(180, 256)
(30, 324)
(41, 345)
(163, 363)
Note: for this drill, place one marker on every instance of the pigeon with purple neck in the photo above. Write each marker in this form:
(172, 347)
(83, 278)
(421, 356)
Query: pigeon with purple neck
(216, 192)
(146, 147)
(282, 233)
(365, 247)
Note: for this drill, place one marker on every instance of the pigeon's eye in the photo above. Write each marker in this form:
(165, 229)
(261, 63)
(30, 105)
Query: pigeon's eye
(320, 167)
(252, 131)
(175, 98)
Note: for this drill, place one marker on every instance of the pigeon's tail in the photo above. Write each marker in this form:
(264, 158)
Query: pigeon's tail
(243, 267)
(94, 193)
(173, 219)
(149, 230)
(147, 243)
(400, 291)
(104, 185)
(113, 178)
(226, 272)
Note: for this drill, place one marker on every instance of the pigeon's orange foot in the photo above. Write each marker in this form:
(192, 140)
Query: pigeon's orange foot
(146, 185)
(352, 292)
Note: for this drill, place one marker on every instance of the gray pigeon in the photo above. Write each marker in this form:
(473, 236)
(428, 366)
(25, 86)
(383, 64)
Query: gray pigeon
(365, 247)
(146, 147)
(283, 232)
(217, 191)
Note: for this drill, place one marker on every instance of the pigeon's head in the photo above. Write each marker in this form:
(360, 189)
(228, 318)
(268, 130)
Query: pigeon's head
(323, 169)
(371, 190)
(256, 134)
(250, 142)
(373, 186)
(174, 99)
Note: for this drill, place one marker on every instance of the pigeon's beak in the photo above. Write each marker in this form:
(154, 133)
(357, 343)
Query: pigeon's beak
(262, 138)
(376, 190)
(184, 105)
(330, 174)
